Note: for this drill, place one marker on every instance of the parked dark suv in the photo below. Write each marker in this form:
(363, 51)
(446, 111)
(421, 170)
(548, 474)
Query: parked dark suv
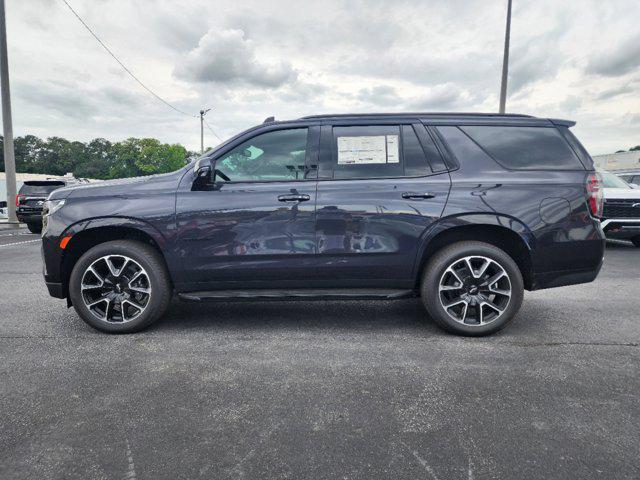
(31, 197)
(30, 200)
(463, 210)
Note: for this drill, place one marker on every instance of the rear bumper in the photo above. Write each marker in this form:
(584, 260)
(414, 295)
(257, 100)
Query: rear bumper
(29, 217)
(564, 278)
(568, 263)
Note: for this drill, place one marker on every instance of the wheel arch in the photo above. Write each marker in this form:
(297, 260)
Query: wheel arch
(87, 234)
(504, 232)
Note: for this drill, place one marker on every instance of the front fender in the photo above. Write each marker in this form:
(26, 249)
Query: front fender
(116, 221)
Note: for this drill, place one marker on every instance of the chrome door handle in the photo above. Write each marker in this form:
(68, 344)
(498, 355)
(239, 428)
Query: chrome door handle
(294, 198)
(414, 195)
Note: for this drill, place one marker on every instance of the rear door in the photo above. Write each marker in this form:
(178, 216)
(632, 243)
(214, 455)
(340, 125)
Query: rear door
(380, 188)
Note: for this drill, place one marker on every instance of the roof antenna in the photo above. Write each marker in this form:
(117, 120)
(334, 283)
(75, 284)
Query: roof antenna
(269, 120)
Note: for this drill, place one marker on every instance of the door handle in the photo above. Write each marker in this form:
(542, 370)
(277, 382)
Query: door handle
(293, 198)
(414, 195)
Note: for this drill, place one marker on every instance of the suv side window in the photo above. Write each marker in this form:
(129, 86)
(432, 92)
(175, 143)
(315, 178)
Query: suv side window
(378, 151)
(270, 157)
(525, 148)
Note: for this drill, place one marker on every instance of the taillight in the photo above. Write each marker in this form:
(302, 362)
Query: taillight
(595, 198)
(19, 199)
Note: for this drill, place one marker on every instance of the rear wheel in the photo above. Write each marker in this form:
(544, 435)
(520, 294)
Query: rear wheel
(35, 227)
(472, 288)
(636, 241)
(120, 286)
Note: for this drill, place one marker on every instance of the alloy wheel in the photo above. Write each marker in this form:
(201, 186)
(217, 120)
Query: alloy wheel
(115, 289)
(475, 290)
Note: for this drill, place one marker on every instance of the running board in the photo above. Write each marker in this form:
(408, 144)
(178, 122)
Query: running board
(298, 294)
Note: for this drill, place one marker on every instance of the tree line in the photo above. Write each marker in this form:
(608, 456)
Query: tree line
(99, 158)
(633, 149)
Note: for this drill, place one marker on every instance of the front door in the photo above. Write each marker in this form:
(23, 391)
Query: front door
(255, 226)
(380, 188)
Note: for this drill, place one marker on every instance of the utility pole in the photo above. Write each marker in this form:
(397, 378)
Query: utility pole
(202, 114)
(9, 158)
(505, 61)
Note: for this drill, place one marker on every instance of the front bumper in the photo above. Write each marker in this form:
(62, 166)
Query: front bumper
(55, 289)
(621, 228)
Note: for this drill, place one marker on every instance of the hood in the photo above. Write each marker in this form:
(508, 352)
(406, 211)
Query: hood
(621, 193)
(121, 186)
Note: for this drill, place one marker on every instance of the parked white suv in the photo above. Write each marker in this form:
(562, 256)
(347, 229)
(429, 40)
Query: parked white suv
(621, 218)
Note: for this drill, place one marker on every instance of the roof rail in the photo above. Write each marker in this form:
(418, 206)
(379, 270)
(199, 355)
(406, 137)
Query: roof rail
(417, 114)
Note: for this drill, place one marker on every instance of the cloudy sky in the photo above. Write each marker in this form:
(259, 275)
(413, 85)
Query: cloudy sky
(577, 59)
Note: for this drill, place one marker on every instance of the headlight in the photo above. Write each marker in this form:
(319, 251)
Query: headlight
(52, 206)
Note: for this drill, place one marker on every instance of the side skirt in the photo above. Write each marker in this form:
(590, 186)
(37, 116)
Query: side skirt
(298, 294)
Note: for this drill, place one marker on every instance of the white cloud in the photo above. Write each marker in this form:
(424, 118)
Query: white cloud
(226, 57)
(249, 59)
(619, 60)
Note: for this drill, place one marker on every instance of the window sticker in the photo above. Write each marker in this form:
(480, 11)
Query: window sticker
(392, 149)
(368, 150)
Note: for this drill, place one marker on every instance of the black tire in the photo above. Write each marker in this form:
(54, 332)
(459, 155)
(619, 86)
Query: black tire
(35, 227)
(435, 270)
(636, 241)
(159, 282)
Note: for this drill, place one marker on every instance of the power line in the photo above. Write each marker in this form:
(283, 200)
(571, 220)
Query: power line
(124, 66)
(212, 131)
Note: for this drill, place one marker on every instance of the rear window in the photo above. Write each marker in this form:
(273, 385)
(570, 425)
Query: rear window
(525, 148)
(40, 188)
(382, 151)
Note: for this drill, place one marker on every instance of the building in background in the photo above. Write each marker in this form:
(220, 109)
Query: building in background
(619, 162)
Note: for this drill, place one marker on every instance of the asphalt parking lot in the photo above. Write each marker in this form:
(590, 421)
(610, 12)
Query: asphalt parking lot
(355, 390)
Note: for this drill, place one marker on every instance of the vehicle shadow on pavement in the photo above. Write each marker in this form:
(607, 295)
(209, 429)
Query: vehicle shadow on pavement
(620, 245)
(538, 315)
(332, 316)
(400, 317)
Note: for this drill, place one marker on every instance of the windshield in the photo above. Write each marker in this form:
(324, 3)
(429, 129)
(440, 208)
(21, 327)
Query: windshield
(609, 180)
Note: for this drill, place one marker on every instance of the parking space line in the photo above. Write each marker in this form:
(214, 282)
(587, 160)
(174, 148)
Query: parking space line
(19, 243)
(15, 234)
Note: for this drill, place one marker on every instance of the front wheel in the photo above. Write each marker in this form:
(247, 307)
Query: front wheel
(120, 286)
(636, 241)
(472, 288)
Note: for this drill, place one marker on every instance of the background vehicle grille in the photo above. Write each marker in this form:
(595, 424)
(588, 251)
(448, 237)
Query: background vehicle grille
(622, 208)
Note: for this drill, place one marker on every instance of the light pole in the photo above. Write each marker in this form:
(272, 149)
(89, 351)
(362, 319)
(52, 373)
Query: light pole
(9, 158)
(202, 114)
(505, 61)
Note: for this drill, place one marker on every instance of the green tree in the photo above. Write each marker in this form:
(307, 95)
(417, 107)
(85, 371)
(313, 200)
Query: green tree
(98, 158)
(125, 155)
(27, 154)
(156, 157)
(97, 161)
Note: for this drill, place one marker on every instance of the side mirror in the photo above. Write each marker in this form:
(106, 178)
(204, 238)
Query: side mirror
(634, 185)
(206, 173)
(203, 175)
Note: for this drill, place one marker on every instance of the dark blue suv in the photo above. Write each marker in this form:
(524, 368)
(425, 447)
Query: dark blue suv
(465, 211)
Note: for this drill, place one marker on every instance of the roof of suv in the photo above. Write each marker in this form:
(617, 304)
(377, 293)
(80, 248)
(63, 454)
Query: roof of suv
(444, 118)
(418, 114)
